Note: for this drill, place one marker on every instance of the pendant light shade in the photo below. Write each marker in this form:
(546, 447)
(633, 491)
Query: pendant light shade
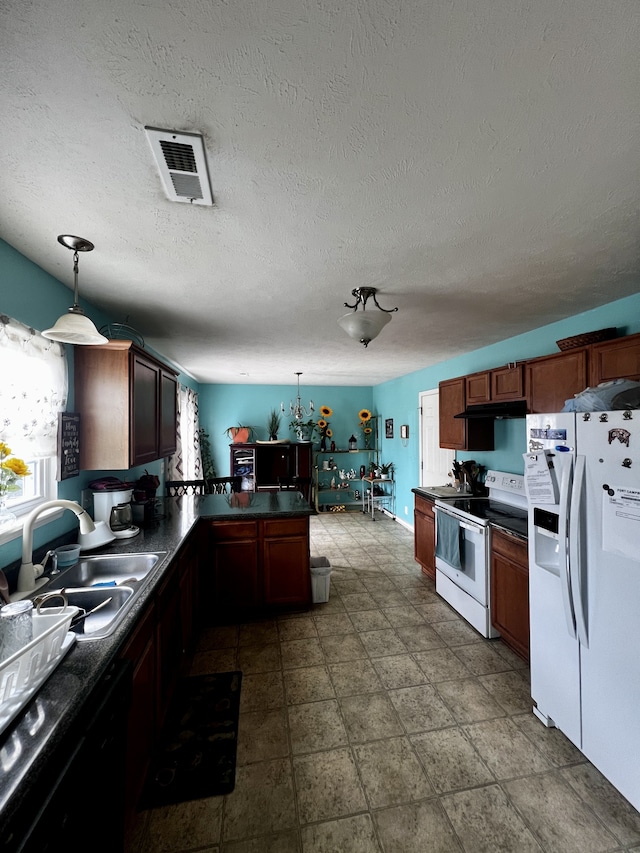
(75, 327)
(364, 325)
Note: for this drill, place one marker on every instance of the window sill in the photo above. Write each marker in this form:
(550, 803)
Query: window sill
(15, 531)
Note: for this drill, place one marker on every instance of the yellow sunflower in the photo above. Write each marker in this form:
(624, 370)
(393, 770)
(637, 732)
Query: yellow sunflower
(329, 432)
(322, 423)
(326, 411)
(367, 430)
(365, 415)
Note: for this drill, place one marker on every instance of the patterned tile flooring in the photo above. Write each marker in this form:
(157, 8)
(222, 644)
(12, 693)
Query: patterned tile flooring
(380, 722)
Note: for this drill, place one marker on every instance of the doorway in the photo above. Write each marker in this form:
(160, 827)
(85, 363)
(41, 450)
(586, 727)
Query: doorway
(435, 462)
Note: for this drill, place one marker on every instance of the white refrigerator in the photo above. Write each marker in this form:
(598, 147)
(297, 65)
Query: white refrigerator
(582, 475)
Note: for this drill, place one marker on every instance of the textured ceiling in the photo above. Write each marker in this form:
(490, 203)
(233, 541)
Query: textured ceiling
(475, 161)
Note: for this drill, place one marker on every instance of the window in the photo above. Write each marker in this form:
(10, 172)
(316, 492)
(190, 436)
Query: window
(33, 391)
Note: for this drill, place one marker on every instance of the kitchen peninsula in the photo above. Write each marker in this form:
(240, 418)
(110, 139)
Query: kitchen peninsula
(251, 549)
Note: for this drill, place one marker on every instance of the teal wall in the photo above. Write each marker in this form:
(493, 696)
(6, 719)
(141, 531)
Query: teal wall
(223, 406)
(34, 297)
(398, 399)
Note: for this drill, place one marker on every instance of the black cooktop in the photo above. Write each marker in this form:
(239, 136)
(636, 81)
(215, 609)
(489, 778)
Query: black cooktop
(484, 509)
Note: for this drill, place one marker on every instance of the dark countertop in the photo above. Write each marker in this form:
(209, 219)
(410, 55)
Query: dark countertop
(32, 738)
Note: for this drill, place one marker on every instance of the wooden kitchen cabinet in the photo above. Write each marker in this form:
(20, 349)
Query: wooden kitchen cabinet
(616, 359)
(424, 532)
(260, 564)
(510, 590)
(500, 385)
(285, 547)
(267, 462)
(553, 379)
(127, 404)
(458, 433)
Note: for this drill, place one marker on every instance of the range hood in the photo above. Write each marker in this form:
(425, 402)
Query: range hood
(514, 409)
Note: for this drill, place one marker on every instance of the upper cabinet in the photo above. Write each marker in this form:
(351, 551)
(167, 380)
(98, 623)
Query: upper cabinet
(127, 402)
(504, 384)
(616, 359)
(458, 433)
(555, 378)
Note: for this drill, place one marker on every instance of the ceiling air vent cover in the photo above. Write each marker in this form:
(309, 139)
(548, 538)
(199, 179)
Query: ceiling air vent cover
(182, 165)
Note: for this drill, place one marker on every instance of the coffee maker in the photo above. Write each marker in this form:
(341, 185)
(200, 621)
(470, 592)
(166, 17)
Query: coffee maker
(114, 508)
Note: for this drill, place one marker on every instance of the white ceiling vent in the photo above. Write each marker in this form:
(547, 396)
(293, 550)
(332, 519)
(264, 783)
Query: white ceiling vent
(182, 165)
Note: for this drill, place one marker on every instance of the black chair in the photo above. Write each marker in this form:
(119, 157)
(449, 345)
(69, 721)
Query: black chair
(177, 488)
(295, 484)
(223, 485)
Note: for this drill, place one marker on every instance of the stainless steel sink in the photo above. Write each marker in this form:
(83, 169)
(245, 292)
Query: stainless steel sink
(106, 569)
(103, 623)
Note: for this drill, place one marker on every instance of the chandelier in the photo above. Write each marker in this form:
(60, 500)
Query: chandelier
(298, 411)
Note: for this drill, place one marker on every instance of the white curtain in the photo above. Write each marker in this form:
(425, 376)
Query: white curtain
(33, 389)
(186, 462)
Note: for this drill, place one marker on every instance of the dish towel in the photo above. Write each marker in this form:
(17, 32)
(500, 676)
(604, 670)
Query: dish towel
(448, 545)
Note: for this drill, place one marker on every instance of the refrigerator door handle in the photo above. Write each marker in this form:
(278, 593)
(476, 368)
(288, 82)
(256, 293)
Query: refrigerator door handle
(576, 569)
(563, 556)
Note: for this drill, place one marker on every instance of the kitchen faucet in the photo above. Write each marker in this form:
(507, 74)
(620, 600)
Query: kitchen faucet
(28, 572)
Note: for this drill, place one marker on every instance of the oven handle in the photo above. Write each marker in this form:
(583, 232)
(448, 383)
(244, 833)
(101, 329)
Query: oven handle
(480, 529)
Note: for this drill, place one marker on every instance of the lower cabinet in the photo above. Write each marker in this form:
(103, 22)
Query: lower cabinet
(425, 535)
(83, 780)
(510, 590)
(159, 651)
(260, 563)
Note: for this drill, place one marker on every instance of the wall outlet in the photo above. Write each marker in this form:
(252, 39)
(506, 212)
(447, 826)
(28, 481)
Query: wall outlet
(406, 510)
(86, 499)
(162, 468)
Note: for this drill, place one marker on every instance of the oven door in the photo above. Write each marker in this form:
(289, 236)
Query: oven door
(474, 558)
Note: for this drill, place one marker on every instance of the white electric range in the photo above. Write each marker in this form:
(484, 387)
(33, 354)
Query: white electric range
(463, 544)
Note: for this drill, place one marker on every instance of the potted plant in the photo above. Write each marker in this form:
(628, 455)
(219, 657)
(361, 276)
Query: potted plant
(386, 469)
(273, 424)
(304, 430)
(239, 434)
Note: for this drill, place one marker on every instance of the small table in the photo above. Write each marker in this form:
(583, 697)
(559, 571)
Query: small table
(378, 492)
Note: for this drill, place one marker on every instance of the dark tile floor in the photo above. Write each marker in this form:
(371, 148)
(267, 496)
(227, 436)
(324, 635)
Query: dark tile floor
(380, 722)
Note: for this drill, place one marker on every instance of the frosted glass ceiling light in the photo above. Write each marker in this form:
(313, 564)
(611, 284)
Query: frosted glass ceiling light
(365, 326)
(75, 327)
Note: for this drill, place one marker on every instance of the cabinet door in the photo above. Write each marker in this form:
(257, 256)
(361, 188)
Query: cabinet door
(425, 536)
(458, 433)
(145, 405)
(452, 400)
(553, 379)
(235, 555)
(617, 359)
(507, 383)
(478, 388)
(285, 562)
(168, 643)
(141, 727)
(510, 591)
(168, 417)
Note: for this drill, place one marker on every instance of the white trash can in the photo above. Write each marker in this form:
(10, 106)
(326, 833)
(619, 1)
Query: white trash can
(320, 579)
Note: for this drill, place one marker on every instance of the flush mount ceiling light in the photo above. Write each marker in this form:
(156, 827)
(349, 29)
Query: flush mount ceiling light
(75, 327)
(365, 326)
(298, 412)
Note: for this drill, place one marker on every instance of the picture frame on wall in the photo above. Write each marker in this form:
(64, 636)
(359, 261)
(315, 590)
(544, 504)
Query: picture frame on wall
(388, 428)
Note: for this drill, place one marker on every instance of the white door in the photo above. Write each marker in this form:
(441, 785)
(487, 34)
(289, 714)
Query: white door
(435, 462)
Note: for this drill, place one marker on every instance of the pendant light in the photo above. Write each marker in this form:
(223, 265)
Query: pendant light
(365, 326)
(75, 327)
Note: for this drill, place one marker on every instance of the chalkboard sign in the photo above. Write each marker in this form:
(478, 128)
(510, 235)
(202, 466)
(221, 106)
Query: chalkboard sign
(68, 445)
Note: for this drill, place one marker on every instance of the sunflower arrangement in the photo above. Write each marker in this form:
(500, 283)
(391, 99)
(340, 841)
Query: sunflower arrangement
(365, 417)
(10, 469)
(323, 423)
